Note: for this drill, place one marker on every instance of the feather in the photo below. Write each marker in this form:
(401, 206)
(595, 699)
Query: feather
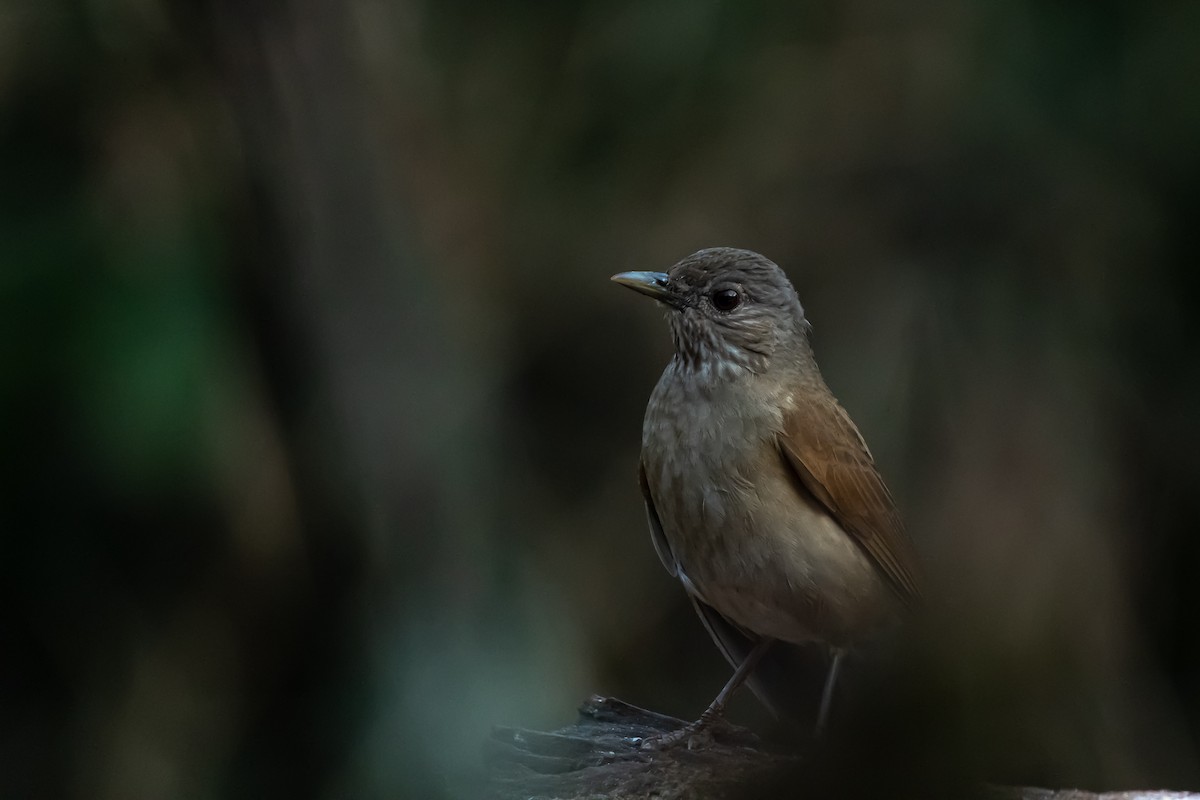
(827, 453)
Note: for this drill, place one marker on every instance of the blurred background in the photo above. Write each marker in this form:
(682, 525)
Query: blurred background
(322, 418)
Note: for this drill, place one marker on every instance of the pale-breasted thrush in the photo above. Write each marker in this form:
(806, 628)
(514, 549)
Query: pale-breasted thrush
(762, 497)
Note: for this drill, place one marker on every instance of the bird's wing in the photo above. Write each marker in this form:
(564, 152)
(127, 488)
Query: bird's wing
(661, 545)
(827, 453)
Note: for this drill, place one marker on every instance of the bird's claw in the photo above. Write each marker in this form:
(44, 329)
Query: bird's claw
(696, 735)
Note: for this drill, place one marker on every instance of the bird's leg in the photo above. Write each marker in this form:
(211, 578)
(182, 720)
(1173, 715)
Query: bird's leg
(713, 714)
(717, 707)
(827, 692)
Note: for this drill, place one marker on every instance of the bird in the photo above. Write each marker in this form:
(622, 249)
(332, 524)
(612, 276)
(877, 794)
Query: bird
(762, 497)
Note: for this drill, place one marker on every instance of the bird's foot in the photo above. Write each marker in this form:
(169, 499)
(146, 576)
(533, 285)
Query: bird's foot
(696, 735)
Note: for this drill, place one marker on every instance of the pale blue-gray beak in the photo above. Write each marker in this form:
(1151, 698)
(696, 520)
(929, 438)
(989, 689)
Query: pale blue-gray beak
(651, 284)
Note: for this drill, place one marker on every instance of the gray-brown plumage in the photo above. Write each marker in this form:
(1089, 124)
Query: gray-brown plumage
(762, 496)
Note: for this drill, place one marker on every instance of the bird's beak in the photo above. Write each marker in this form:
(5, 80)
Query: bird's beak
(652, 284)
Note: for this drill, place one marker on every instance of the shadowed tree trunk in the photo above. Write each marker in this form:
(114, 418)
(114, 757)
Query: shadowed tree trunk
(343, 318)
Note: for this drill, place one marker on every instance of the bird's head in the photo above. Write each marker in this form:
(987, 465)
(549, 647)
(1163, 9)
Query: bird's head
(727, 308)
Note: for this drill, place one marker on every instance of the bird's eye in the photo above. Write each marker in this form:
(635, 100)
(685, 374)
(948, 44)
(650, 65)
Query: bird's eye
(726, 300)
